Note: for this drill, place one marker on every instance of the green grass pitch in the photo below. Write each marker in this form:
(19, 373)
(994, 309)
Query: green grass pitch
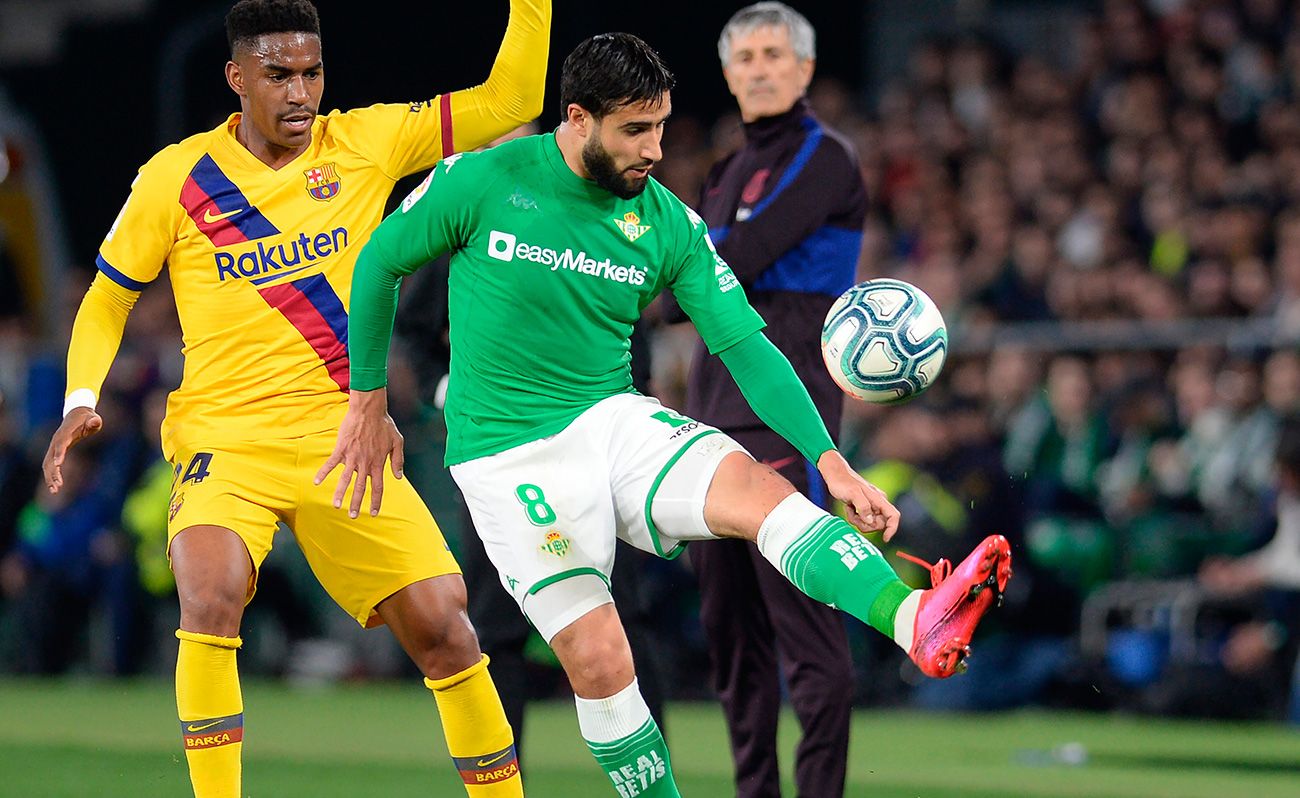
(112, 738)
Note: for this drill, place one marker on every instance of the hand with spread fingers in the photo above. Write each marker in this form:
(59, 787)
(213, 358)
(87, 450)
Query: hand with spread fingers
(866, 506)
(80, 423)
(367, 439)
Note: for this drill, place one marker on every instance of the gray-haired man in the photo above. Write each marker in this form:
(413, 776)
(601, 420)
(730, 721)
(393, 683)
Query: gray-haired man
(786, 212)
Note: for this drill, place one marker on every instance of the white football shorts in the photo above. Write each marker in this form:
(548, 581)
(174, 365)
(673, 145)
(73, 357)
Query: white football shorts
(549, 511)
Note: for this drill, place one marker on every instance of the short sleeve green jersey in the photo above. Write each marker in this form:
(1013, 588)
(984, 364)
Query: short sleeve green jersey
(549, 272)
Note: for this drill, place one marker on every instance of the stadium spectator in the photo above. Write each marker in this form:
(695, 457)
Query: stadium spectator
(16, 476)
(786, 212)
(69, 563)
(1267, 645)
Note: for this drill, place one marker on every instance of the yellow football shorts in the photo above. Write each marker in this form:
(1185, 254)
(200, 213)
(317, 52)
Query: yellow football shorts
(250, 487)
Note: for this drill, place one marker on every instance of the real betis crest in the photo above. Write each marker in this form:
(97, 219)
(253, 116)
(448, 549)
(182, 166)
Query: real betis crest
(556, 544)
(631, 226)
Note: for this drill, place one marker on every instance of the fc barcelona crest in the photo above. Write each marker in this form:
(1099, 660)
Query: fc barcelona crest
(323, 182)
(631, 226)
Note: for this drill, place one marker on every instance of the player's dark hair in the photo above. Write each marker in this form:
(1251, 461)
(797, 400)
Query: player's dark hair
(249, 19)
(611, 70)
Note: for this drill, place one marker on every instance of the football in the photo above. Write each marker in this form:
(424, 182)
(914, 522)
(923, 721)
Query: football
(884, 341)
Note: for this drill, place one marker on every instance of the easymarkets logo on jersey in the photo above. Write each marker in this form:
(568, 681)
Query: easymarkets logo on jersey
(506, 247)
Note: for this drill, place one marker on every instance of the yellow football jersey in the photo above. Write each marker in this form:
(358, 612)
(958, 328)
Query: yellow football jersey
(260, 262)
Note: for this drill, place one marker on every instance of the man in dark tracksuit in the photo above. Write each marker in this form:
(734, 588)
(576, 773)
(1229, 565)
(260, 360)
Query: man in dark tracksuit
(786, 212)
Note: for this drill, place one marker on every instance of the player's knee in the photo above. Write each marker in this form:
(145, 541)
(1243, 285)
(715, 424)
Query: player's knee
(450, 645)
(445, 642)
(741, 495)
(212, 608)
(600, 666)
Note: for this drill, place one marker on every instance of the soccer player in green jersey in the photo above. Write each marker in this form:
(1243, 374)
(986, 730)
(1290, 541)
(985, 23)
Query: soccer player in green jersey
(558, 243)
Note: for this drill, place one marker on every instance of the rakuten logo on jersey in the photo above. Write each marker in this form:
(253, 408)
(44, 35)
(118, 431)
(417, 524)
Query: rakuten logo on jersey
(263, 259)
(507, 247)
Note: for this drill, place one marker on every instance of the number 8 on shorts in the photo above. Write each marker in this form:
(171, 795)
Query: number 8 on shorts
(534, 501)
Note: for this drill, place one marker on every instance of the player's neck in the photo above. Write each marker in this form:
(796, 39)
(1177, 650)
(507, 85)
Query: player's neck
(266, 151)
(571, 148)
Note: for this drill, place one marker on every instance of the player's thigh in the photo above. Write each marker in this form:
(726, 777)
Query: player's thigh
(544, 514)
(362, 561)
(662, 464)
(238, 486)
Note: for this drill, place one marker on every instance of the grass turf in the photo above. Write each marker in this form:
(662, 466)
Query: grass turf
(114, 738)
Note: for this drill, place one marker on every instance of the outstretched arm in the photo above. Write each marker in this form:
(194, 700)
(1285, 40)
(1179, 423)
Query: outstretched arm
(96, 335)
(770, 385)
(513, 92)
(407, 138)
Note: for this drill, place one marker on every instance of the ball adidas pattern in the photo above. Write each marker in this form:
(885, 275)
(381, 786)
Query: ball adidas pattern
(884, 341)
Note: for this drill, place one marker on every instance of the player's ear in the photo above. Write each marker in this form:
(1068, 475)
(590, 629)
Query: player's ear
(579, 119)
(235, 78)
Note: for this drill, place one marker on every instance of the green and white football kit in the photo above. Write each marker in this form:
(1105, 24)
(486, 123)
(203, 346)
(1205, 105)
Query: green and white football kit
(555, 452)
(626, 465)
(553, 449)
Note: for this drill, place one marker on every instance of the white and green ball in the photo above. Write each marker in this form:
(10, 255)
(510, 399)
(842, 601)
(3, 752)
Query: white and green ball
(884, 341)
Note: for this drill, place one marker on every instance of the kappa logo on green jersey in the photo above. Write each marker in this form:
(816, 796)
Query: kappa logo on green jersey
(726, 277)
(506, 247)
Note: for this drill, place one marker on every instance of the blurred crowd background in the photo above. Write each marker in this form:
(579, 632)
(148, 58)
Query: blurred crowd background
(1100, 196)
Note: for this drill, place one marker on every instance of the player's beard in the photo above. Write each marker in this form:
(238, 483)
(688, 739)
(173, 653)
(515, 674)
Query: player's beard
(600, 165)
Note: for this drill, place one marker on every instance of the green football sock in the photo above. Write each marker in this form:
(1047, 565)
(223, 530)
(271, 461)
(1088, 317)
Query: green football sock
(832, 562)
(627, 744)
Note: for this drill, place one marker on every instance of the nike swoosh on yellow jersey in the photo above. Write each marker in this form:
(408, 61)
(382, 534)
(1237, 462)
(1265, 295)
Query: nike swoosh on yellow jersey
(208, 218)
(193, 728)
(497, 758)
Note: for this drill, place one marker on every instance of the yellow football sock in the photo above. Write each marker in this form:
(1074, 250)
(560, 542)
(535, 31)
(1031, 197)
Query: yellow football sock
(211, 710)
(478, 735)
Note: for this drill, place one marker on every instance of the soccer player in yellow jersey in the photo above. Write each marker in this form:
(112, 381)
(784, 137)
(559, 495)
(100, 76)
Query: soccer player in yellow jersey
(259, 223)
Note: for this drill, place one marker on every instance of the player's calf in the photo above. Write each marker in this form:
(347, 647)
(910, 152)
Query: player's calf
(479, 738)
(428, 618)
(612, 714)
(833, 563)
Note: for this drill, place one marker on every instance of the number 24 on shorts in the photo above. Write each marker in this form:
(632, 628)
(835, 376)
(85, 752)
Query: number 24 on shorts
(197, 470)
(535, 506)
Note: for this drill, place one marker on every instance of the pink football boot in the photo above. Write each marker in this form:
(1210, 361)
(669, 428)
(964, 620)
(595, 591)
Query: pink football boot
(952, 608)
